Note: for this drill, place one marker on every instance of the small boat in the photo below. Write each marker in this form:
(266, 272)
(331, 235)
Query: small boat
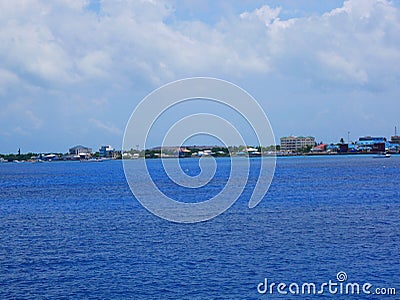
(382, 155)
(90, 160)
(95, 159)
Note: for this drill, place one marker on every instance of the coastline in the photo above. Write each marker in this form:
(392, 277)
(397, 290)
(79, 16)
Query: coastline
(197, 157)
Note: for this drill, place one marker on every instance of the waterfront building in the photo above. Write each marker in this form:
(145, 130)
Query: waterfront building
(332, 148)
(294, 143)
(107, 151)
(343, 148)
(371, 143)
(394, 145)
(395, 139)
(320, 148)
(80, 151)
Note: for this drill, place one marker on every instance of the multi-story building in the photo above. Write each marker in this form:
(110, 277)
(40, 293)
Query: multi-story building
(294, 143)
(395, 139)
(106, 151)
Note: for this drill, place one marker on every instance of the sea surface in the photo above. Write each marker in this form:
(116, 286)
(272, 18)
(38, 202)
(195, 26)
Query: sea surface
(72, 230)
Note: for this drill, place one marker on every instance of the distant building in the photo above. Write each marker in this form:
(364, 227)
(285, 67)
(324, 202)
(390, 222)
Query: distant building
(332, 148)
(319, 148)
(294, 143)
(107, 151)
(395, 139)
(394, 144)
(81, 151)
(371, 143)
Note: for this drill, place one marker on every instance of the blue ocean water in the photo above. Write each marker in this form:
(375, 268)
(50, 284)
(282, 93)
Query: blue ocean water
(74, 230)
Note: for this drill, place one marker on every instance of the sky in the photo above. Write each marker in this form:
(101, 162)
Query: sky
(72, 72)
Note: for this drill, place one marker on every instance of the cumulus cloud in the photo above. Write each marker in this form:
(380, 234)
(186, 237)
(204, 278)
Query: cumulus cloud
(352, 45)
(265, 14)
(64, 42)
(362, 45)
(61, 54)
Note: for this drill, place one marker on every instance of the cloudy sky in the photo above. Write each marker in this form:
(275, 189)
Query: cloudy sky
(71, 72)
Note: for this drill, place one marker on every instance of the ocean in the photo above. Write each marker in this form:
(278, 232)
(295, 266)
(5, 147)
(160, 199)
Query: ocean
(71, 230)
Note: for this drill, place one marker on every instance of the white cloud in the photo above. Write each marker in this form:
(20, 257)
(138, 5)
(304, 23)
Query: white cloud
(360, 42)
(62, 42)
(343, 68)
(265, 14)
(62, 55)
(95, 64)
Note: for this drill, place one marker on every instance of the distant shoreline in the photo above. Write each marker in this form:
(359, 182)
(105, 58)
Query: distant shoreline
(197, 157)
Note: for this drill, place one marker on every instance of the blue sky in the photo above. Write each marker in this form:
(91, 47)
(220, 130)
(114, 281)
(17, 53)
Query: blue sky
(71, 72)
